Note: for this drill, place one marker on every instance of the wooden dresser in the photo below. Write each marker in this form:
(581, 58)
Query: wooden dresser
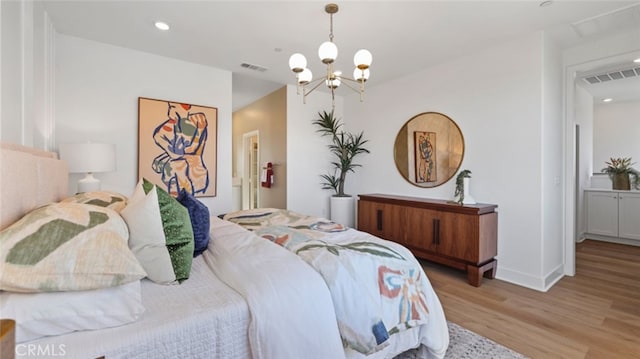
(463, 237)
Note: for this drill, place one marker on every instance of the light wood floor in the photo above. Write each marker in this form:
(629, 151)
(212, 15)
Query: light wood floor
(595, 314)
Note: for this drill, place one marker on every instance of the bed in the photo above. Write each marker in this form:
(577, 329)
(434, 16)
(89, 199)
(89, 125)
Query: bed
(256, 291)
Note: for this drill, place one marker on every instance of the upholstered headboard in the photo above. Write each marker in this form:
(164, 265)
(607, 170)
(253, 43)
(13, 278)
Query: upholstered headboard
(29, 178)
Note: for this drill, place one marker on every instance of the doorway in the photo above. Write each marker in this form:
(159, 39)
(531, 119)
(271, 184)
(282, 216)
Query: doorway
(251, 170)
(579, 149)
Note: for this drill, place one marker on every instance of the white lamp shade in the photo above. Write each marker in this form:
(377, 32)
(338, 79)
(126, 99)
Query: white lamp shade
(328, 52)
(361, 75)
(305, 77)
(362, 59)
(297, 62)
(89, 157)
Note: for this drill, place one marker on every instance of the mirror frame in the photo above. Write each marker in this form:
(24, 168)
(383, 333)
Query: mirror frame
(439, 123)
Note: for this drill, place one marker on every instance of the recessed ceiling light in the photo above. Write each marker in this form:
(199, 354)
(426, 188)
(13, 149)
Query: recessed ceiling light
(162, 25)
(608, 99)
(546, 3)
(637, 61)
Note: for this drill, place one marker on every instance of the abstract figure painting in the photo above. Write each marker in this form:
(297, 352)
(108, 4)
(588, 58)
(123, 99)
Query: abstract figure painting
(177, 145)
(425, 157)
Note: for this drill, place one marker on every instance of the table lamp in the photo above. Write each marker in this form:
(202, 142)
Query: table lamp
(89, 158)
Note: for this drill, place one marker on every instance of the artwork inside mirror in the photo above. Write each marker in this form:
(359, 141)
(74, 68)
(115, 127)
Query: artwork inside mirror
(428, 150)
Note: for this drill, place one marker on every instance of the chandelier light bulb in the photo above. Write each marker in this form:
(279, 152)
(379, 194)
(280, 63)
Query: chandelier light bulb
(362, 59)
(361, 75)
(297, 62)
(328, 52)
(305, 76)
(334, 81)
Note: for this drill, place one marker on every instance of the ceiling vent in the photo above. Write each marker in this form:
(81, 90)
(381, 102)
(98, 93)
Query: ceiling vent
(253, 67)
(612, 75)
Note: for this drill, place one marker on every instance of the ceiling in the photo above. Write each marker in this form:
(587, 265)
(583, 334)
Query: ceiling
(404, 36)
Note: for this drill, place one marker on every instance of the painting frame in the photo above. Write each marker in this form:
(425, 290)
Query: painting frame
(178, 146)
(425, 159)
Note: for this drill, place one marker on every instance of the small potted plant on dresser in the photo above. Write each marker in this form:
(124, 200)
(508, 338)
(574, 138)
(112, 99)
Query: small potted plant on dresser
(622, 174)
(345, 147)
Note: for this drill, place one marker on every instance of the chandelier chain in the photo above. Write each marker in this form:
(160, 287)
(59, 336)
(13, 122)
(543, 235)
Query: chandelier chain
(331, 27)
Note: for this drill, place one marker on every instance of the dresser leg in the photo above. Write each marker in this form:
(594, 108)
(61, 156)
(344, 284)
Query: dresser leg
(475, 273)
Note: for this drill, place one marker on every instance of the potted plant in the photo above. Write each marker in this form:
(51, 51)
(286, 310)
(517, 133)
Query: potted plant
(620, 172)
(344, 147)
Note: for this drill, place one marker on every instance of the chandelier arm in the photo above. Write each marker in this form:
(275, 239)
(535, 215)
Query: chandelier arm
(348, 85)
(349, 79)
(319, 82)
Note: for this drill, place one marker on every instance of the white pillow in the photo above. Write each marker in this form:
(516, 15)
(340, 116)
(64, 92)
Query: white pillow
(161, 235)
(54, 313)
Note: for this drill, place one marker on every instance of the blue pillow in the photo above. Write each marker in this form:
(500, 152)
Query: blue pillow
(200, 221)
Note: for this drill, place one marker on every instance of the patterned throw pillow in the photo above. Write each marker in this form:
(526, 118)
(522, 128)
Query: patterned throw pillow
(200, 221)
(66, 246)
(108, 199)
(161, 236)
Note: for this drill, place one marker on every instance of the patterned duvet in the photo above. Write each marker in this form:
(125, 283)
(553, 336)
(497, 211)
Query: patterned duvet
(377, 287)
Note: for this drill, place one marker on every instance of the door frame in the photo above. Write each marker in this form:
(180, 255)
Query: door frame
(246, 170)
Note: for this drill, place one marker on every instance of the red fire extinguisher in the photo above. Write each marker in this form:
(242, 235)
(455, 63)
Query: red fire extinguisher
(267, 176)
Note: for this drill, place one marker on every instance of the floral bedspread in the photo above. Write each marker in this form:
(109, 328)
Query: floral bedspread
(377, 286)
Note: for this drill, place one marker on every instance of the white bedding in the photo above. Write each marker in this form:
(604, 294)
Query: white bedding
(271, 304)
(292, 315)
(201, 318)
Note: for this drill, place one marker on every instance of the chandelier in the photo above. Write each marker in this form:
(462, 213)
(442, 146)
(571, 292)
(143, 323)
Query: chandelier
(328, 52)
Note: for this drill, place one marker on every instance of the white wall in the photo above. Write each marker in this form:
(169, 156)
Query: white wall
(11, 72)
(552, 162)
(26, 68)
(307, 155)
(583, 106)
(495, 96)
(97, 90)
(616, 132)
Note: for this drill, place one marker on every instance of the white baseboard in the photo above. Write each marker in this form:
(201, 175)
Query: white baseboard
(553, 277)
(597, 237)
(521, 279)
(541, 284)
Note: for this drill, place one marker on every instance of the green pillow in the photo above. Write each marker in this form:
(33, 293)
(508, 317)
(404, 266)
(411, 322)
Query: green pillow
(161, 235)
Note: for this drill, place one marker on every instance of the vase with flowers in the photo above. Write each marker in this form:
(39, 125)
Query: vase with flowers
(622, 174)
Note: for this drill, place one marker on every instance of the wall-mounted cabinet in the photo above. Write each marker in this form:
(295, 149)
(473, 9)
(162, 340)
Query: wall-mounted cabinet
(613, 215)
(463, 237)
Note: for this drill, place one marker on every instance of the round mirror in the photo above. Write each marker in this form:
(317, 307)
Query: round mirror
(429, 149)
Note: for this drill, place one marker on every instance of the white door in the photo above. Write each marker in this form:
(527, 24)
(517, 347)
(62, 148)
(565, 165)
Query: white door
(629, 215)
(602, 213)
(251, 170)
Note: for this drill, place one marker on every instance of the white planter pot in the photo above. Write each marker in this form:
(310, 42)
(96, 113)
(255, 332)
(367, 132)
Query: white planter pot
(467, 197)
(343, 210)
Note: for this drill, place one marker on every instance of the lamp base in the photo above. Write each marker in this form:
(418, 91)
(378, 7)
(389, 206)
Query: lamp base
(88, 184)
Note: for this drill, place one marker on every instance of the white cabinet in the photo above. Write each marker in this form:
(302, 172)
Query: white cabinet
(629, 215)
(613, 214)
(602, 213)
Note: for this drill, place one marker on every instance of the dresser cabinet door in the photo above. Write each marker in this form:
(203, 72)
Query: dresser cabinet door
(422, 229)
(382, 220)
(459, 236)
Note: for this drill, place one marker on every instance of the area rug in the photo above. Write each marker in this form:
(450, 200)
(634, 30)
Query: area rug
(465, 344)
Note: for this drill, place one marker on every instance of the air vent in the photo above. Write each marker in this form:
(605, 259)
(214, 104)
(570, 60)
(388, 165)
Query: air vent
(612, 75)
(253, 67)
